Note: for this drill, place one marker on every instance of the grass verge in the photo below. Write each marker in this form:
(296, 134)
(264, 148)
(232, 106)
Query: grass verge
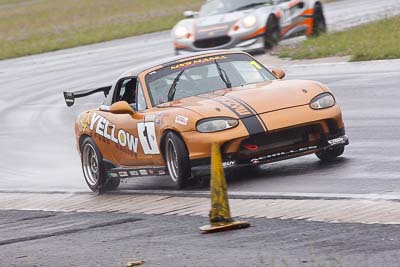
(378, 40)
(35, 26)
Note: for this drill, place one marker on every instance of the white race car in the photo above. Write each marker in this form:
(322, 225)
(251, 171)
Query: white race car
(248, 25)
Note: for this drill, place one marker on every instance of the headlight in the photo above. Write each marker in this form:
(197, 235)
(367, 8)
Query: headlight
(325, 100)
(216, 124)
(181, 31)
(249, 21)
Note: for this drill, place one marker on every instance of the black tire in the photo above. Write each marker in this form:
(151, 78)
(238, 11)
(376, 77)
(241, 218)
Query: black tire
(93, 168)
(177, 159)
(111, 184)
(203, 180)
(272, 34)
(319, 23)
(330, 154)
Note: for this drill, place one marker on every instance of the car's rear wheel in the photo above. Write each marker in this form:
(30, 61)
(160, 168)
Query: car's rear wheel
(94, 170)
(330, 154)
(319, 23)
(272, 34)
(177, 159)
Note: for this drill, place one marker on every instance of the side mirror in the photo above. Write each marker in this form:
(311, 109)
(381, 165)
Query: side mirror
(122, 107)
(278, 73)
(190, 14)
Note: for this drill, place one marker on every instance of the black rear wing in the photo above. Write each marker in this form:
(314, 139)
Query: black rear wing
(70, 96)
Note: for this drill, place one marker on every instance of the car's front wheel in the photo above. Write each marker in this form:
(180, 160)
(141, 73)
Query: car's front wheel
(330, 154)
(94, 170)
(177, 159)
(272, 34)
(319, 24)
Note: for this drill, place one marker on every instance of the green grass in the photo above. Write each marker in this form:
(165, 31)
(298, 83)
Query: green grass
(35, 26)
(3, 2)
(378, 40)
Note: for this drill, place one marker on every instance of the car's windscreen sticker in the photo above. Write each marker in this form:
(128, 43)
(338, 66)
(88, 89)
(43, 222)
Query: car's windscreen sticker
(176, 67)
(255, 64)
(186, 64)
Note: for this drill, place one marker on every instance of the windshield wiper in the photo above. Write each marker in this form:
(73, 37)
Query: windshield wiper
(248, 6)
(172, 89)
(223, 75)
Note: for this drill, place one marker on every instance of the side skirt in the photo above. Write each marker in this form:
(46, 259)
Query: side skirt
(143, 171)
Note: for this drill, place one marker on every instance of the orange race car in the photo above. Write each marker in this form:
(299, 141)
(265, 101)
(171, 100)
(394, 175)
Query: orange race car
(162, 118)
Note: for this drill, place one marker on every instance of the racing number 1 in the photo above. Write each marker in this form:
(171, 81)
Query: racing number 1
(147, 137)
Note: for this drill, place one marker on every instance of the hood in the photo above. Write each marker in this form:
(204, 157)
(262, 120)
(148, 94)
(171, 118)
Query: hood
(251, 99)
(216, 25)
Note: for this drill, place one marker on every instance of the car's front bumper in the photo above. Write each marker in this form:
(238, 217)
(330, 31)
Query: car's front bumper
(291, 132)
(202, 166)
(249, 45)
(328, 122)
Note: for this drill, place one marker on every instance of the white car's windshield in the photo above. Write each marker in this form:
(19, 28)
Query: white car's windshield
(204, 75)
(214, 7)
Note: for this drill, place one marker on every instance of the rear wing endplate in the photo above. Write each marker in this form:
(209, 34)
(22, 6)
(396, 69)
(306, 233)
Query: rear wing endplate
(71, 96)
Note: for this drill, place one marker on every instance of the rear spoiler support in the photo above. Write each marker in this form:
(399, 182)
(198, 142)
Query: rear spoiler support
(71, 96)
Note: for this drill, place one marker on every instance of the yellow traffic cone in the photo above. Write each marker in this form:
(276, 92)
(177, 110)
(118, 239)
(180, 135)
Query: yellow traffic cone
(220, 214)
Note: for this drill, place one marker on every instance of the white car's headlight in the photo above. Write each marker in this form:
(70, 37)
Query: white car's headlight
(216, 124)
(181, 32)
(325, 100)
(249, 21)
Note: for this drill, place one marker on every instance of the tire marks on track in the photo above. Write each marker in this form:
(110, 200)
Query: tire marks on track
(341, 210)
(42, 226)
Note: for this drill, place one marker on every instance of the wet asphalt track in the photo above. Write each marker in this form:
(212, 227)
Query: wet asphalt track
(37, 137)
(98, 239)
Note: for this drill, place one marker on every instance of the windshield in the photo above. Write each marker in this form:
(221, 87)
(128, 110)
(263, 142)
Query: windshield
(204, 75)
(214, 7)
